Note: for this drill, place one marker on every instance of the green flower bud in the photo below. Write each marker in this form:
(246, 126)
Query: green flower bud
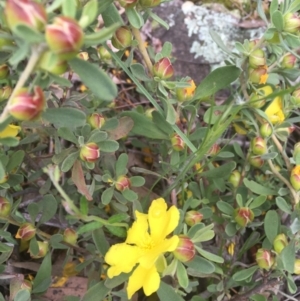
(265, 130)
(53, 63)
(296, 153)
(96, 120)
(243, 216)
(186, 94)
(264, 259)
(4, 71)
(5, 93)
(4, 42)
(256, 161)
(89, 152)
(257, 58)
(122, 183)
(25, 12)
(258, 75)
(64, 37)
(185, 250)
(149, 3)
(177, 143)
(280, 242)
(70, 236)
(26, 285)
(256, 100)
(288, 61)
(235, 178)
(291, 22)
(27, 105)
(128, 3)
(148, 113)
(258, 146)
(295, 177)
(104, 54)
(214, 150)
(122, 38)
(193, 217)
(5, 207)
(296, 97)
(43, 250)
(26, 232)
(163, 68)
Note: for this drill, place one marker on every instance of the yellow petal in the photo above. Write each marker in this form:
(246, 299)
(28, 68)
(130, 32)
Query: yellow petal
(161, 221)
(274, 111)
(138, 232)
(121, 258)
(148, 279)
(10, 131)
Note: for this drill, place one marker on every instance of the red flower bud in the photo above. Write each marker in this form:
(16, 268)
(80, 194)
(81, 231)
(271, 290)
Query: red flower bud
(89, 152)
(163, 68)
(280, 242)
(185, 250)
(96, 120)
(128, 3)
(53, 63)
(27, 105)
(235, 178)
(149, 3)
(295, 177)
(258, 146)
(43, 250)
(291, 22)
(186, 94)
(26, 232)
(5, 92)
(256, 161)
(70, 236)
(288, 61)
(193, 217)
(64, 37)
(243, 216)
(122, 183)
(177, 143)
(122, 38)
(25, 12)
(265, 130)
(5, 207)
(257, 58)
(264, 259)
(4, 71)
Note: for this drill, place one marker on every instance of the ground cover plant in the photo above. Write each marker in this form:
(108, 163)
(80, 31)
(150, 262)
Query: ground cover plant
(129, 183)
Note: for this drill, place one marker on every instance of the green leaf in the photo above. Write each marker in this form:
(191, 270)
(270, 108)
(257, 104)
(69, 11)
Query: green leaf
(283, 205)
(201, 264)
(89, 13)
(15, 160)
(67, 134)
(69, 161)
(22, 295)
(60, 80)
(109, 146)
(225, 207)
(33, 210)
(5, 248)
(96, 292)
(69, 8)
(182, 275)
(245, 274)
(42, 279)
(100, 36)
(65, 117)
(218, 79)
(160, 21)
(10, 141)
(2, 170)
(97, 136)
(271, 224)
(116, 281)
(171, 113)
(258, 188)
(277, 20)
(103, 5)
(134, 18)
(220, 172)
(137, 181)
(287, 256)
(210, 256)
(89, 227)
(217, 39)
(117, 231)
(95, 79)
(121, 165)
(33, 246)
(167, 293)
(138, 70)
(107, 195)
(100, 241)
(49, 207)
(32, 36)
(111, 16)
(5, 255)
(129, 195)
(258, 201)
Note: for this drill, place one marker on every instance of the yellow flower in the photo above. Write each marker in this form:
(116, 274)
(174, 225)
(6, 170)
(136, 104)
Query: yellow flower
(145, 245)
(10, 131)
(274, 111)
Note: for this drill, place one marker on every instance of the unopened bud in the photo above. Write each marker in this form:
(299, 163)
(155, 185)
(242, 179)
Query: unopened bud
(243, 216)
(288, 61)
(258, 75)
(291, 22)
(128, 3)
(296, 153)
(4, 71)
(4, 42)
(122, 183)
(257, 58)
(5, 207)
(89, 152)
(185, 250)
(214, 150)
(5, 178)
(149, 3)
(53, 63)
(265, 130)
(193, 217)
(104, 53)
(25, 12)
(296, 97)
(258, 146)
(297, 267)
(186, 94)
(83, 55)
(26, 232)
(264, 259)
(96, 120)
(280, 242)
(122, 38)
(295, 177)
(70, 236)
(256, 161)
(27, 105)
(163, 68)
(5, 92)
(177, 143)
(235, 178)
(257, 100)
(64, 37)
(26, 285)
(148, 113)
(43, 250)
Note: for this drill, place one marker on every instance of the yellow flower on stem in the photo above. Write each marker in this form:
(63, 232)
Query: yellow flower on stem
(10, 131)
(144, 247)
(274, 111)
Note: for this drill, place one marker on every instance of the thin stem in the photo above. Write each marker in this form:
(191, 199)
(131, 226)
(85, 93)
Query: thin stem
(281, 150)
(33, 60)
(143, 49)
